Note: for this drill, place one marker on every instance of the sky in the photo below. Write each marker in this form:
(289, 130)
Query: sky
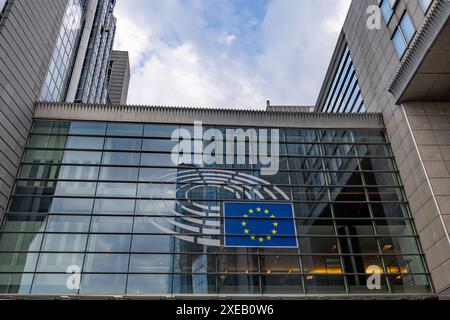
(228, 53)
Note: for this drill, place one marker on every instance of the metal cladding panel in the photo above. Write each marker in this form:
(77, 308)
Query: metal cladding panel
(28, 30)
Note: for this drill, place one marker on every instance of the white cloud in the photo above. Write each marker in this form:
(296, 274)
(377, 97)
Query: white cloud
(227, 39)
(179, 59)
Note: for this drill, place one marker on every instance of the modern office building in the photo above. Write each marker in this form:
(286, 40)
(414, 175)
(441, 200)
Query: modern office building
(119, 77)
(50, 50)
(91, 85)
(402, 70)
(100, 192)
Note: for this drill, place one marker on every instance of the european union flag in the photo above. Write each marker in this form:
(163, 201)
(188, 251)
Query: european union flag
(259, 224)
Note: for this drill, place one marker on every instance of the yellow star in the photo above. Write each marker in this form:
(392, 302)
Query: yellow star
(245, 215)
(266, 211)
(246, 231)
(244, 223)
(275, 224)
(269, 237)
(274, 231)
(261, 239)
(251, 211)
(272, 216)
(253, 237)
(258, 209)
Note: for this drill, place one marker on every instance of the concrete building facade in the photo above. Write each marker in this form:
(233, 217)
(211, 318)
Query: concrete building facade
(403, 72)
(119, 77)
(50, 50)
(28, 31)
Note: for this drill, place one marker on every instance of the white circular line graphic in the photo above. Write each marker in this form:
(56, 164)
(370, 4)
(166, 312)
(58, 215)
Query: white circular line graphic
(200, 219)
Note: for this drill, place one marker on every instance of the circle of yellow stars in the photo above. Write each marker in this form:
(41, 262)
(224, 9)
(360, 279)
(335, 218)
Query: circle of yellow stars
(260, 238)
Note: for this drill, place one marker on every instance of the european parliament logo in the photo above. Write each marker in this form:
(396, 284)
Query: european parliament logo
(260, 225)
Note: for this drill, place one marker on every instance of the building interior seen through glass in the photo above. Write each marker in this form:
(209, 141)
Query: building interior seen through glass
(107, 197)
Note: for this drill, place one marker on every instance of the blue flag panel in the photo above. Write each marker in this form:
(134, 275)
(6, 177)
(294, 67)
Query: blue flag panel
(259, 224)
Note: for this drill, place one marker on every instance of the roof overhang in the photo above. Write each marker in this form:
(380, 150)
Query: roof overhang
(224, 117)
(424, 71)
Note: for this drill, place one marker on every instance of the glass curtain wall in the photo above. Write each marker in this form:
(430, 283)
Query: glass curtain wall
(344, 95)
(60, 68)
(107, 198)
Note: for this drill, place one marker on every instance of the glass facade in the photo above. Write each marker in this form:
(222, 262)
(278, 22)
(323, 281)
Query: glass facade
(403, 35)
(2, 5)
(60, 68)
(107, 198)
(425, 4)
(92, 87)
(386, 7)
(344, 95)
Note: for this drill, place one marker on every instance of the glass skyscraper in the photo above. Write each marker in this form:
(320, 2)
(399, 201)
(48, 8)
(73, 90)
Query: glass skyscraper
(92, 87)
(60, 67)
(90, 76)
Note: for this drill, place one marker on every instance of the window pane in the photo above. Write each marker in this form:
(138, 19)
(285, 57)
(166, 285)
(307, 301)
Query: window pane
(82, 157)
(24, 223)
(103, 284)
(78, 173)
(58, 262)
(407, 27)
(238, 284)
(51, 284)
(386, 10)
(425, 4)
(47, 142)
(68, 223)
(399, 43)
(148, 263)
(123, 144)
(155, 191)
(111, 225)
(114, 207)
(81, 189)
(109, 243)
(389, 210)
(318, 245)
(124, 129)
(20, 241)
(404, 264)
(50, 127)
(157, 159)
(106, 263)
(157, 130)
(394, 227)
(80, 206)
(281, 284)
(238, 263)
(43, 156)
(121, 158)
(28, 204)
(152, 244)
(157, 174)
(369, 136)
(279, 264)
(15, 283)
(116, 190)
(88, 128)
(159, 145)
(38, 172)
(149, 284)
(18, 262)
(119, 174)
(64, 242)
(85, 143)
